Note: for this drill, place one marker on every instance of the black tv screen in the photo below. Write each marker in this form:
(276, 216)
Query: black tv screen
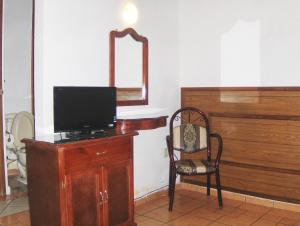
(84, 108)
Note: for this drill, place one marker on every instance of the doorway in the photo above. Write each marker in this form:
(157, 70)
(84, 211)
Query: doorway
(17, 96)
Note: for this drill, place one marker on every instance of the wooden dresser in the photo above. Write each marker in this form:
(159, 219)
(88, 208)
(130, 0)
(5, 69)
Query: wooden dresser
(81, 183)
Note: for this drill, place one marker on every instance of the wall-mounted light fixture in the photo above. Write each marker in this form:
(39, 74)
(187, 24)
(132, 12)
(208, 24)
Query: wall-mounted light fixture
(129, 13)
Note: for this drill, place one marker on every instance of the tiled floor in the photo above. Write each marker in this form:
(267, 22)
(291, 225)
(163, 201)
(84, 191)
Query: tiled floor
(14, 206)
(14, 212)
(194, 209)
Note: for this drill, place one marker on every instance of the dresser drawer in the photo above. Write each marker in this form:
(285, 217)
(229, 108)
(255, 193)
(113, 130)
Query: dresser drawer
(88, 155)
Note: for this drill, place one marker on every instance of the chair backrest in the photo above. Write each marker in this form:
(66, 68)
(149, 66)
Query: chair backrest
(189, 131)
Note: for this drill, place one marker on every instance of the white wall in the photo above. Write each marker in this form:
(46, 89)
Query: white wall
(72, 48)
(17, 55)
(239, 42)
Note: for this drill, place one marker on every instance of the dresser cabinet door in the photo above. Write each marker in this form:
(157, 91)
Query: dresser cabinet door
(84, 201)
(119, 189)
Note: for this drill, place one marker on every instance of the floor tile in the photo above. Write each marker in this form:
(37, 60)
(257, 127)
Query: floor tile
(163, 214)
(142, 209)
(145, 221)
(190, 194)
(254, 210)
(232, 203)
(190, 220)
(239, 220)
(187, 206)
(14, 206)
(161, 201)
(24, 217)
(262, 222)
(10, 210)
(8, 220)
(208, 213)
(22, 201)
(276, 215)
(183, 197)
(236, 212)
(289, 222)
(4, 204)
(217, 224)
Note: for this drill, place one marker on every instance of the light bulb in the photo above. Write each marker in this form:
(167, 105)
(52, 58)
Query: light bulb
(130, 13)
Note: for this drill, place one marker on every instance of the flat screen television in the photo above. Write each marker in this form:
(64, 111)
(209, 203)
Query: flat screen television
(84, 109)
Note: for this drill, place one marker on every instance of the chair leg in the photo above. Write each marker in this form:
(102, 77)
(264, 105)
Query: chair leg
(208, 185)
(170, 179)
(172, 190)
(219, 189)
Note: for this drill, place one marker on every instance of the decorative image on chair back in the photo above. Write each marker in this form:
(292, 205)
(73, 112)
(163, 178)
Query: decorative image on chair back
(190, 136)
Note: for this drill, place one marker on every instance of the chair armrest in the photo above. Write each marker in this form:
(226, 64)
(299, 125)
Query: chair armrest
(220, 147)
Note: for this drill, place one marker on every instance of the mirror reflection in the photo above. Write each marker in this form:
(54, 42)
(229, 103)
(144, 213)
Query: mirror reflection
(128, 63)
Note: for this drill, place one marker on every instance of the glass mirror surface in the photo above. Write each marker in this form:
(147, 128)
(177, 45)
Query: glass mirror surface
(129, 64)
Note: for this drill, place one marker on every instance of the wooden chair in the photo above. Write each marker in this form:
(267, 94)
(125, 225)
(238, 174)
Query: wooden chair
(190, 133)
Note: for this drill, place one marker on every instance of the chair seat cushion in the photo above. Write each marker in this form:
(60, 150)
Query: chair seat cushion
(194, 166)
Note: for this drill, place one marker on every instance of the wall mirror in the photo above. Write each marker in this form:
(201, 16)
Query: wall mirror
(129, 67)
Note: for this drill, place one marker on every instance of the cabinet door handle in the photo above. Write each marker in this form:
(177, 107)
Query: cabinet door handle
(101, 153)
(106, 195)
(101, 196)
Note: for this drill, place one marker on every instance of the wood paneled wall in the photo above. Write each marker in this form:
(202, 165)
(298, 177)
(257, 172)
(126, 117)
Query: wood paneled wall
(260, 128)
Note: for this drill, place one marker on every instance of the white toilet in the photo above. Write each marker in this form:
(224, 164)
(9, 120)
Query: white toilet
(19, 126)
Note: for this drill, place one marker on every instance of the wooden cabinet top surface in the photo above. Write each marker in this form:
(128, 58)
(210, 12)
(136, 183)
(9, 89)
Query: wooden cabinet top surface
(55, 139)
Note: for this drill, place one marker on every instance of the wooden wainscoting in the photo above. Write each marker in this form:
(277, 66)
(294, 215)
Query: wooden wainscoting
(260, 128)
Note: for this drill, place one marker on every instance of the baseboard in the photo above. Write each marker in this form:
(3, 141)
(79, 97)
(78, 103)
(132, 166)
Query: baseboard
(225, 194)
(242, 197)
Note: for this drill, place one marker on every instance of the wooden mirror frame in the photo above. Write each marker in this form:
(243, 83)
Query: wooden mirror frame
(120, 34)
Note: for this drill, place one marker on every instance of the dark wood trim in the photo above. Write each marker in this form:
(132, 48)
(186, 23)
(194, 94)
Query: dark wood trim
(120, 34)
(254, 116)
(130, 102)
(112, 60)
(129, 31)
(141, 123)
(2, 161)
(262, 168)
(276, 198)
(130, 89)
(263, 88)
(257, 167)
(32, 58)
